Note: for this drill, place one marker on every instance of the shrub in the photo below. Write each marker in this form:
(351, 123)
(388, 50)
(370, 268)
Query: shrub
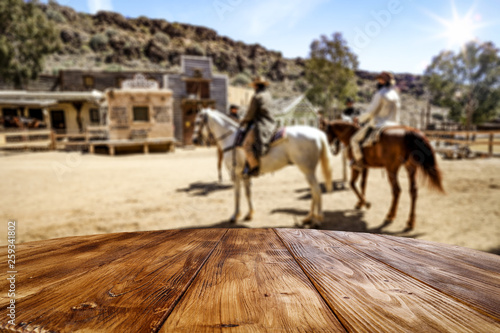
(55, 16)
(241, 79)
(99, 42)
(162, 38)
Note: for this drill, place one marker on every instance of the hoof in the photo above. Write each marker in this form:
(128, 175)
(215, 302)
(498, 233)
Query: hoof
(358, 206)
(368, 205)
(387, 222)
(249, 217)
(307, 220)
(234, 218)
(408, 229)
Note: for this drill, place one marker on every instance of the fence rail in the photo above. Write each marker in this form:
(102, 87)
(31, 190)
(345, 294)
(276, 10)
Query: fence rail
(466, 138)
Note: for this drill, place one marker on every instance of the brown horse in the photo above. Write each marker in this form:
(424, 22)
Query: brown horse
(397, 146)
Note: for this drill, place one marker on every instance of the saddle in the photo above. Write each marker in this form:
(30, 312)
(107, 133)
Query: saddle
(278, 136)
(373, 134)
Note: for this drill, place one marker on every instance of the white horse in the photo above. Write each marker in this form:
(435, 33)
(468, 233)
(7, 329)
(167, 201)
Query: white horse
(303, 146)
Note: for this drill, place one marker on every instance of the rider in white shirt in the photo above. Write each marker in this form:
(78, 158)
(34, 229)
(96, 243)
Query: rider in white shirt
(383, 111)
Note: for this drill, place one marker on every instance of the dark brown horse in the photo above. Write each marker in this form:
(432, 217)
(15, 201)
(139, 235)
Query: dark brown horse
(397, 146)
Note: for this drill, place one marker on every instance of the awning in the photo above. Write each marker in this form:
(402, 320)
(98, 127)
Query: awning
(28, 102)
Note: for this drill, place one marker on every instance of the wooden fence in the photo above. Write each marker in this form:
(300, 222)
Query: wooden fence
(94, 136)
(466, 138)
(27, 139)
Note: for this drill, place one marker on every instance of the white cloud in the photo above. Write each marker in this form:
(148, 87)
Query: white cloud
(97, 5)
(262, 17)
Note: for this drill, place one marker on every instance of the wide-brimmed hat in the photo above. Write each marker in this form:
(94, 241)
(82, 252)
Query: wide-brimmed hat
(234, 106)
(387, 77)
(260, 79)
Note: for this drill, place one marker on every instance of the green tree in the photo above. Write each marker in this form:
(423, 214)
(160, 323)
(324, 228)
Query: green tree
(330, 71)
(468, 82)
(27, 36)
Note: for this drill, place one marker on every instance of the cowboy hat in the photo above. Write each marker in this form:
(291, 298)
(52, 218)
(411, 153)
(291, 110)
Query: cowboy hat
(387, 77)
(260, 79)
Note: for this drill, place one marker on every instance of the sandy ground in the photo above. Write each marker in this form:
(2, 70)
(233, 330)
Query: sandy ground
(58, 194)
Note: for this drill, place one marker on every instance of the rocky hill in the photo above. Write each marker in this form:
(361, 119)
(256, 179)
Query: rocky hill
(109, 41)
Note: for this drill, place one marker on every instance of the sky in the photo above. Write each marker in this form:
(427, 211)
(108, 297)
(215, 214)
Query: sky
(401, 36)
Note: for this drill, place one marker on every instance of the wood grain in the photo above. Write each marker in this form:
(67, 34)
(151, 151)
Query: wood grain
(370, 296)
(128, 284)
(251, 284)
(471, 285)
(479, 259)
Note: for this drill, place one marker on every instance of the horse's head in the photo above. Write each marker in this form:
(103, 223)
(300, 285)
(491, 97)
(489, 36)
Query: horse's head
(200, 128)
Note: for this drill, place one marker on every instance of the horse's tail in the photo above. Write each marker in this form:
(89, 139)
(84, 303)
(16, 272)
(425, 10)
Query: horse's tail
(420, 153)
(326, 163)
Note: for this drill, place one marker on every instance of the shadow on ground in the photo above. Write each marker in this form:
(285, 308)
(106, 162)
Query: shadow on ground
(204, 189)
(336, 185)
(494, 250)
(347, 220)
(223, 224)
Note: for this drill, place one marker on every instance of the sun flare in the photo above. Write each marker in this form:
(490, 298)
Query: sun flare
(459, 30)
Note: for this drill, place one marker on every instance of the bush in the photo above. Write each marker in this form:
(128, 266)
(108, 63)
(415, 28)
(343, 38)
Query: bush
(241, 79)
(110, 32)
(55, 16)
(195, 49)
(99, 42)
(162, 38)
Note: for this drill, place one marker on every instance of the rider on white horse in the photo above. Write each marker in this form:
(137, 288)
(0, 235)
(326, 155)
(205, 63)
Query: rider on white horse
(383, 111)
(304, 146)
(260, 126)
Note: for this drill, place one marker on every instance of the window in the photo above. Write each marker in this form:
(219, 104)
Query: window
(88, 81)
(94, 116)
(141, 113)
(200, 89)
(36, 113)
(9, 112)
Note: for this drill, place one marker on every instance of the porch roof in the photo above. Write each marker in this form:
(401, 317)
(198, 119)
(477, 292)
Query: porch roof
(48, 97)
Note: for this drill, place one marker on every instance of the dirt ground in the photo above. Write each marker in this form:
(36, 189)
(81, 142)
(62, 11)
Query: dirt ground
(54, 194)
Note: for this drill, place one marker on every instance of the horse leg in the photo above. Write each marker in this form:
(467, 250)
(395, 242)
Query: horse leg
(219, 163)
(354, 178)
(412, 171)
(364, 176)
(396, 191)
(314, 219)
(237, 186)
(248, 192)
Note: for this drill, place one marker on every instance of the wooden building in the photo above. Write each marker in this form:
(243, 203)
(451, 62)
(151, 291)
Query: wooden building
(64, 112)
(194, 88)
(139, 114)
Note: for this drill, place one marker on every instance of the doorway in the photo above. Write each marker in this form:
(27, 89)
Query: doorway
(58, 121)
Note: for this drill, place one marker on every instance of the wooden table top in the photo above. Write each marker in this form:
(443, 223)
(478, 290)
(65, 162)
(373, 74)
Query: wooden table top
(255, 280)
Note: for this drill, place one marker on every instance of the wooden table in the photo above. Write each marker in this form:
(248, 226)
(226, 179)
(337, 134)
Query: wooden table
(255, 280)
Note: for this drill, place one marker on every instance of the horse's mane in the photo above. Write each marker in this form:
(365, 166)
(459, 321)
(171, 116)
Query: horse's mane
(224, 116)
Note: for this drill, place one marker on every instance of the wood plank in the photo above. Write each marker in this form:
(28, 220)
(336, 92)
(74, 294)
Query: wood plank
(474, 286)
(251, 284)
(369, 296)
(130, 285)
(86, 252)
(479, 259)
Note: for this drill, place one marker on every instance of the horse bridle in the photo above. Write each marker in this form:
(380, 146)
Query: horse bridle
(204, 122)
(336, 140)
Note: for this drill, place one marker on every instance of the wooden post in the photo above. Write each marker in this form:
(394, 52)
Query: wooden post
(146, 148)
(111, 150)
(91, 148)
(490, 145)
